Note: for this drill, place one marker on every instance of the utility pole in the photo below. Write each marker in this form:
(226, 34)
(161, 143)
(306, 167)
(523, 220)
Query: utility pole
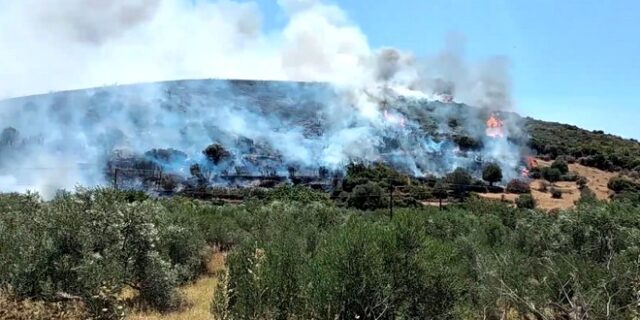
(115, 178)
(391, 202)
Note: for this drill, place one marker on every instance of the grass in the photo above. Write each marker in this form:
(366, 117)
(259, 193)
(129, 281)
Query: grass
(198, 296)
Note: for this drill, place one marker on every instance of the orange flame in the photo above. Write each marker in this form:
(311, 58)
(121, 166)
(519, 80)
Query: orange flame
(495, 127)
(532, 162)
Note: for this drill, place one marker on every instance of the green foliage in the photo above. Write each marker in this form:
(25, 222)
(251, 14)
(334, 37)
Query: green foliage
(80, 243)
(561, 165)
(518, 186)
(594, 149)
(620, 184)
(526, 201)
(551, 174)
(556, 194)
(385, 176)
(367, 196)
(492, 173)
(467, 143)
(295, 193)
(459, 180)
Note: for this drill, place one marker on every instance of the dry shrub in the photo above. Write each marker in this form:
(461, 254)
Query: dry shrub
(12, 309)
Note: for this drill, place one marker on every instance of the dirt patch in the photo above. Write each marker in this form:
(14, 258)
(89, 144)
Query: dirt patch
(597, 182)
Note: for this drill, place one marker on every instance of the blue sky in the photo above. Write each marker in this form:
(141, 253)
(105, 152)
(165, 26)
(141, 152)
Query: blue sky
(572, 61)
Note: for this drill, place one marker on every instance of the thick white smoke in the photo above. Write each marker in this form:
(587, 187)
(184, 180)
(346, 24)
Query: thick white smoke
(52, 45)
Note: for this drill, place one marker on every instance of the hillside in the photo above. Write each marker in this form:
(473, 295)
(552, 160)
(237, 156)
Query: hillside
(156, 136)
(592, 148)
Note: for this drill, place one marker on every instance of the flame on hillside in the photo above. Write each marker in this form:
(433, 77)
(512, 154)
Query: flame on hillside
(495, 127)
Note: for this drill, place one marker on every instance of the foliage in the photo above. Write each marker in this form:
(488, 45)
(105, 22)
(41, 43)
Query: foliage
(79, 244)
(551, 174)
(367, 196)
(591, 148)
(492, 173)
(620, 184)
(582, 182)
(475, 260)
(295, 193)
(561, 165)
(518, 186)
(459, 180)
(526, 201)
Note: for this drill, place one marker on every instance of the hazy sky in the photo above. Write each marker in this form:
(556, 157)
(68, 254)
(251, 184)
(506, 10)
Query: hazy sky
(572, 61)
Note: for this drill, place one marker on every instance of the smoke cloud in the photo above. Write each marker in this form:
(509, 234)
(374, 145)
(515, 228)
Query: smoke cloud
(71, 44)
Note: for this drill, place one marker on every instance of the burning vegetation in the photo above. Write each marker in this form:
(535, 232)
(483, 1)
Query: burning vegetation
(243, 133)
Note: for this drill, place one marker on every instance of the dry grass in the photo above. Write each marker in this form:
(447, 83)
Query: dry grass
(11, 309)
(198, 295)
(598, 180)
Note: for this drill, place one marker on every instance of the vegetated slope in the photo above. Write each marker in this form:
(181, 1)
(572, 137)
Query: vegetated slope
(591, 148)
(597, 181)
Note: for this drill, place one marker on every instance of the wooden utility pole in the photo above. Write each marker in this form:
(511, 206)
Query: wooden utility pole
(391, 202)
(115, 178)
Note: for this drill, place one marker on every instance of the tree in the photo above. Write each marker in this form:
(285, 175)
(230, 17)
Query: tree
(459, 180)
(561, 165)
(440, 192)
(216, 153)
(492, 173)
(9, 136)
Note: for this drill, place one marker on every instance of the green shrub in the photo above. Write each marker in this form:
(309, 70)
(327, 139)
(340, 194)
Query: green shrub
(556, 194)
(620, 184)
(367, 197)
(551, 174)
(525, 201)
(89, 240)
(561, 165)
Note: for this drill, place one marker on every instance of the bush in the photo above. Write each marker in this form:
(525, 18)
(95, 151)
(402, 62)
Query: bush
(561, 165)
(551, 174)
(96, 239)
(526, 201)
(367, 196)
(582, 182)
(620, 184)
(556, 194)
(587, 196)
(570, 177)
(518, 186)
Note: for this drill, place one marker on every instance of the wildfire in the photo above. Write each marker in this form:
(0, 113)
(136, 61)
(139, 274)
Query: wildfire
(532, 162)
(394, 119)
(495, 127)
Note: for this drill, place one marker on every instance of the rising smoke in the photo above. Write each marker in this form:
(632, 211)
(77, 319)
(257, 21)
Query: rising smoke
(70, 44)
